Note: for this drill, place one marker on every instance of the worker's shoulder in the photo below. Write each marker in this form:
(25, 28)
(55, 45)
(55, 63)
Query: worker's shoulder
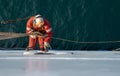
(46, 22)
(30, 19)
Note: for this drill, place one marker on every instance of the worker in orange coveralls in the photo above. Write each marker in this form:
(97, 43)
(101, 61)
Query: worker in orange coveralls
(38, 28)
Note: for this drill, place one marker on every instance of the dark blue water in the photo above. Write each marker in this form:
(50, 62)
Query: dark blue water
(74, 20)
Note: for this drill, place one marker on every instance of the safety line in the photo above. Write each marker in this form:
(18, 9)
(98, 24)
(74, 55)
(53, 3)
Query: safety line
(85, 42)
(11, 21)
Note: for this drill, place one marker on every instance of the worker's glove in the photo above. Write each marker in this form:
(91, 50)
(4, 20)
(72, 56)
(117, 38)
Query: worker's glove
(33, 34)
(38, 33)
(47, 45)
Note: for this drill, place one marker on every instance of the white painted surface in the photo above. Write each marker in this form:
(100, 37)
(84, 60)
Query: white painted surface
(81, 63)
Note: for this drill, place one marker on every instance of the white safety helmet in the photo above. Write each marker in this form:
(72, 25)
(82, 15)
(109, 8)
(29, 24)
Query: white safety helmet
(38, 21)
(38, 15)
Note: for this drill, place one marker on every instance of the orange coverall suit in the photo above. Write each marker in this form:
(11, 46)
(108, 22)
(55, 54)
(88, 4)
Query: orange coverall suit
(32, 41)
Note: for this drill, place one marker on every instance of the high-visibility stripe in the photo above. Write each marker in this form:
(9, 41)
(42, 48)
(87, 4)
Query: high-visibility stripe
(48, 30)
(28, 28)
(29, 31)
